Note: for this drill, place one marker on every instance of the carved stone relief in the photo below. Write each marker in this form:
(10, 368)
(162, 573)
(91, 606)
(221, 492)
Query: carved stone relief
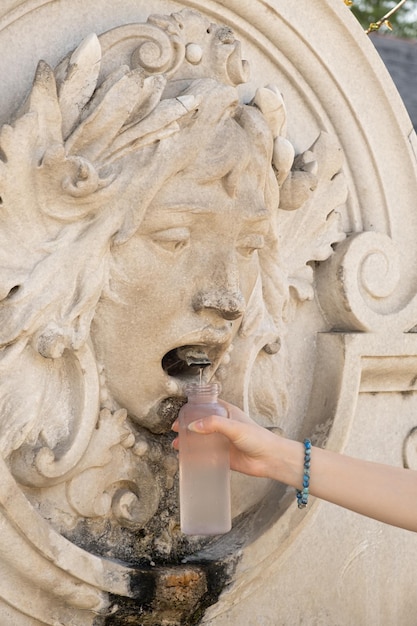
(146, 224)
(149, 210)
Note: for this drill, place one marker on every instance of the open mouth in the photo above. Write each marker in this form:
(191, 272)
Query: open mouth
(186, 362)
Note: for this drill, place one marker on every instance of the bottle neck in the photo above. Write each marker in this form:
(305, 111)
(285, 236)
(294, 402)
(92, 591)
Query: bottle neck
(202, 393)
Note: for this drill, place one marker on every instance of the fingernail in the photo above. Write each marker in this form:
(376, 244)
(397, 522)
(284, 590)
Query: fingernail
(196, 426)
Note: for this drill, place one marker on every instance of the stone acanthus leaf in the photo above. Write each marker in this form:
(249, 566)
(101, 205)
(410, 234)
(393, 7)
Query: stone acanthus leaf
(110, 471)
(270, 102)
(309, 233)
(79, 82)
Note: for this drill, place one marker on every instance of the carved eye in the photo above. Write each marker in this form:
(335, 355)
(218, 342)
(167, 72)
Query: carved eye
(173, 240)
(250, 244)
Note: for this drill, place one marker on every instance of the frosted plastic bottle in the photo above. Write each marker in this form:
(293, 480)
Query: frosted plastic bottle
(204, 467)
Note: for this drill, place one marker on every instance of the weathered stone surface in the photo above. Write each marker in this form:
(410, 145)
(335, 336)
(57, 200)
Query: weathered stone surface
(230, 179)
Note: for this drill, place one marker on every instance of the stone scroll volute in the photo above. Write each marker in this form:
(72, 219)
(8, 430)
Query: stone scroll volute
(153, 202)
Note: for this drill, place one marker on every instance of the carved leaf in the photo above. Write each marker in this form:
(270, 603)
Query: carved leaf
(150, 96)
(43, 100)
(308, 233)
(96, 133)
(270, 102)
(161, 121)
(80, 81)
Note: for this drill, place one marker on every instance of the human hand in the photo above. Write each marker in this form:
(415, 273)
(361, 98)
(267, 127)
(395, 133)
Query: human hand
(253, 449)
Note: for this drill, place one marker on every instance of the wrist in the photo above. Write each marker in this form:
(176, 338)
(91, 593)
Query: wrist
(288, 462)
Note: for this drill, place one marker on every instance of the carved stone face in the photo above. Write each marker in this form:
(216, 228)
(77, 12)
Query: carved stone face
(182, 280)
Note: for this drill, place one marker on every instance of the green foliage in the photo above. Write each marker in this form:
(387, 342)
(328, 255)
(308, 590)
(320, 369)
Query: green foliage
(403, 22)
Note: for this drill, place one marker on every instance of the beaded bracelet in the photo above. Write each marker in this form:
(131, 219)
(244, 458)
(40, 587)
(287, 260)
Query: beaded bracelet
(302, 494)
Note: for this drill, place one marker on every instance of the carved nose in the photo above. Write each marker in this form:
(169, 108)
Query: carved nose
(230, 305)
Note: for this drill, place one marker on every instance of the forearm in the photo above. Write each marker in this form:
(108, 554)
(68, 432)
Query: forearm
(385, 493)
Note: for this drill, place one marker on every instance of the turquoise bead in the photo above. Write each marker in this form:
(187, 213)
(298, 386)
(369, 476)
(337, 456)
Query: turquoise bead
(302, 494)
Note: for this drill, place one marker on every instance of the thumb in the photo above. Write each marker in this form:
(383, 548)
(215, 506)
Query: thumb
(209, 424)
(198, 426)
(217, 424)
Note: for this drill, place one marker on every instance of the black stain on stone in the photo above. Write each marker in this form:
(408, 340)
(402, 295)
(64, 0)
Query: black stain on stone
(218, 576)
(131, 611)
(159, 596)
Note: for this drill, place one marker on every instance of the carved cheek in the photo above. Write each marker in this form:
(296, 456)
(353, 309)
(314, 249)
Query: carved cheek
(136, 268)
(249, 271)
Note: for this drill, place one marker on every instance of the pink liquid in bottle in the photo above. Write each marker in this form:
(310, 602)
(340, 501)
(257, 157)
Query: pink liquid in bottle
(204, 467)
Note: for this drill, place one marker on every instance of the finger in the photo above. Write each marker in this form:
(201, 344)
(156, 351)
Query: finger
(235, 413)
(175, 426)
(232, 429)
(206, 425)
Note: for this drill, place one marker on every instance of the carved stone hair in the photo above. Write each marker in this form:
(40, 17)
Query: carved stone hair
(86, 154)
(94, 142)
(81, 150)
